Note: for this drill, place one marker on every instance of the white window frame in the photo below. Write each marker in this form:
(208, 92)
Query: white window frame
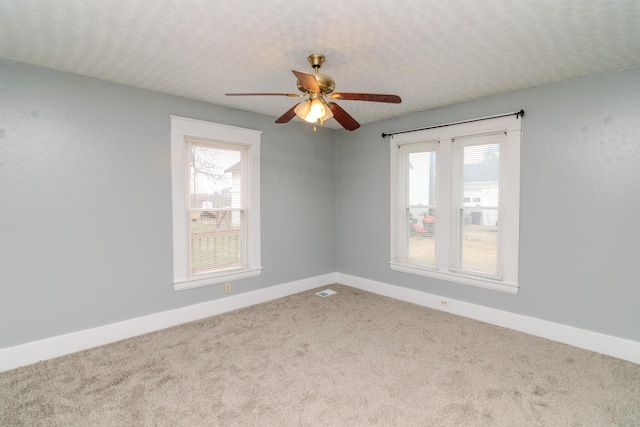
(445, 227)
(181, 129)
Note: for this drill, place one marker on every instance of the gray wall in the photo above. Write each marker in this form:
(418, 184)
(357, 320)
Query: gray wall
(85, 193)
(580, 203)
(85, 214)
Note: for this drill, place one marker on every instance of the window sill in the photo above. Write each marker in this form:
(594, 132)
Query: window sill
(216, 278)
(502, 286)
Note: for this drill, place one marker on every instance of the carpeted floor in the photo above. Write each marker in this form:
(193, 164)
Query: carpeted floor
(351, 359)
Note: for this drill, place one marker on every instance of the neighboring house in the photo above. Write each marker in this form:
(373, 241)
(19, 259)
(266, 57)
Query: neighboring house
(236, 197)
(481, 192)
(212, 201)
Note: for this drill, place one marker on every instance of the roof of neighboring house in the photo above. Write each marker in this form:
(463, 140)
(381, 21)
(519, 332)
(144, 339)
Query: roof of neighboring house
(486, 171)
(233, 168)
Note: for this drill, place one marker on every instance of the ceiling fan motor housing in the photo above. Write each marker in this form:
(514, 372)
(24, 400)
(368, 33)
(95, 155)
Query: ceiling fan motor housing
(326, 84)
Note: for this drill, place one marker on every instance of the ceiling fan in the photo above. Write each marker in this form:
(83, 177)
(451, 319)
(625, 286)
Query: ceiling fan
(316, 108)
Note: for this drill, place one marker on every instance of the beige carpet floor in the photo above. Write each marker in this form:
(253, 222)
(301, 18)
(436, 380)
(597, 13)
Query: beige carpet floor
(351, 359)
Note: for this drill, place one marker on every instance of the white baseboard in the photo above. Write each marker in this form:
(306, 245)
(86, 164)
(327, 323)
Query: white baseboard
(26, 354)
(581, 338)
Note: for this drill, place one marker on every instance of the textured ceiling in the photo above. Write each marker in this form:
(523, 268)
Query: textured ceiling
(430, 52)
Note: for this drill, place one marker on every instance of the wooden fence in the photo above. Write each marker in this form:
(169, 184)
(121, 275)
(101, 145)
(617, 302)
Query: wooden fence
(215, 249)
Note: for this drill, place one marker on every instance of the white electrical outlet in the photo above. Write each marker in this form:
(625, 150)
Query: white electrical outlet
(227, 288)
(444, 303)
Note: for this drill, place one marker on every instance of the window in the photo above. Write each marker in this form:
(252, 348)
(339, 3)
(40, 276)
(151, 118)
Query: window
(216, 203)
(455, 203)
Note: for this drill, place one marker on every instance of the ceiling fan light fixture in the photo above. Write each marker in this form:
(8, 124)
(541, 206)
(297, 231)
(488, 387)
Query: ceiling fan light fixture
(327, 114)
(316, 111)
(312, 110)
(302, 109)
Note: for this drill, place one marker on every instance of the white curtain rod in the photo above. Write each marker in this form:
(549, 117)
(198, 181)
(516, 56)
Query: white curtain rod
(518, 114)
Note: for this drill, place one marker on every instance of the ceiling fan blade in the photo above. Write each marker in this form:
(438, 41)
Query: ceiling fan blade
(286, 117)
(342, 117)
(308, 81)
(374, 97)
(264, 94)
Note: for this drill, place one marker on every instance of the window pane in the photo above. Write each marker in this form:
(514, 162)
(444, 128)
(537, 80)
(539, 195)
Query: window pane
(421, 242)
(216, 213)
(478, 249)
(421, 209)
(215, 242)
(475, 220)
(214, 177)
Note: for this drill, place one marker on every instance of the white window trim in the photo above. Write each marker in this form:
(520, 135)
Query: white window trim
(511, 197)
(182, 128)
